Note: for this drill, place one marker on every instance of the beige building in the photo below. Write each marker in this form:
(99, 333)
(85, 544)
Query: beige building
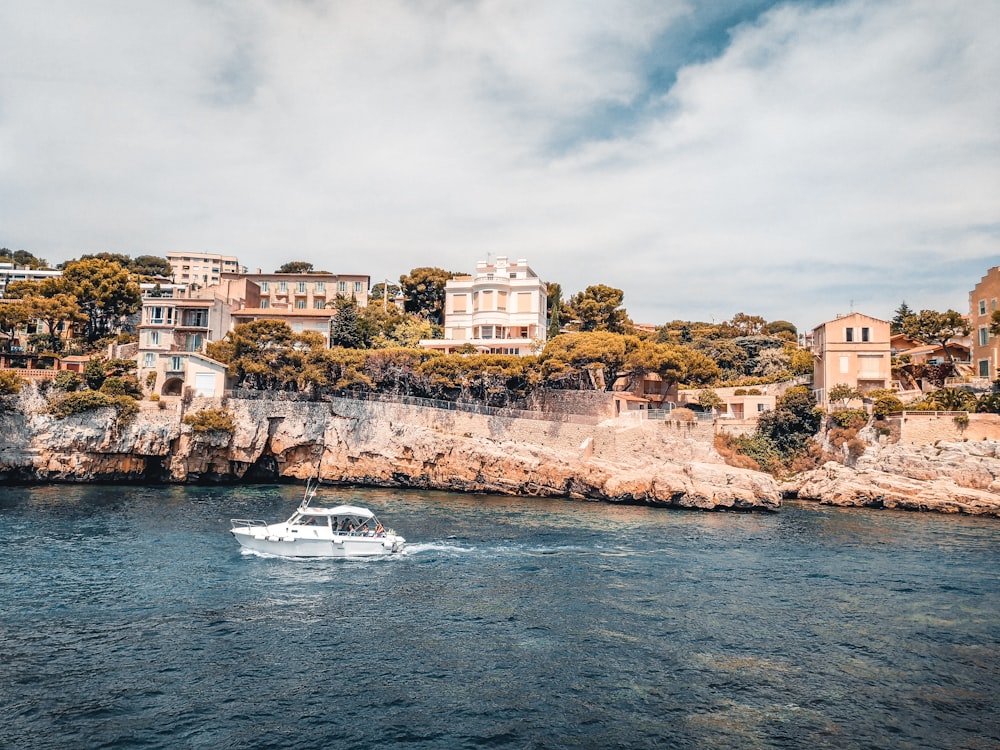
(852, 350)
(503, 309)
(982, 305)
(201, 269)
(308, 291)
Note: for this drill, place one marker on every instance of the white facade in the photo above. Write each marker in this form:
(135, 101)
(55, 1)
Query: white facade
(500, 310)
(201, 269)
(10, 272)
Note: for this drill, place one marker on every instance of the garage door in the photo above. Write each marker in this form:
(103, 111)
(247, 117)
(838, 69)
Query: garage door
(204, 384)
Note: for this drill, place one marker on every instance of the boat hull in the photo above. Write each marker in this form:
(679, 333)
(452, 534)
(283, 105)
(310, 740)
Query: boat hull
(339, 546)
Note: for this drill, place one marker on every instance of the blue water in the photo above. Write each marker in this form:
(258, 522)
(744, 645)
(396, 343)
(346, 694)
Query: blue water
(131, 618)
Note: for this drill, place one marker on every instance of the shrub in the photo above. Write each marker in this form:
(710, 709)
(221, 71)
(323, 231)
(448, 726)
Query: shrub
(854, 418)
(84, 401)
(10, 383)
(67, 380)
(210, 420)
(683, 414)
(122, 385)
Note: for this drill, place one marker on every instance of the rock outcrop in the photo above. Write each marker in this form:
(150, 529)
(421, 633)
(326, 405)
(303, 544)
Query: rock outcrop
(387, 445)
(947, 477)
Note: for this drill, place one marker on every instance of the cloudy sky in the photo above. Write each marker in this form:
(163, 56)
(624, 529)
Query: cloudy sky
(794, 160)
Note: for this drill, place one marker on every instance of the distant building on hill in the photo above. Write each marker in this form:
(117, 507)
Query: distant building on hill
(201, 269)
(852, 350)
(982, 305)
(314, 290)
(10, 272)
(503, 309)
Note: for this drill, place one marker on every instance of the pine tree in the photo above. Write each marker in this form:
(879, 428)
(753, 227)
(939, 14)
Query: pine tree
(344, 328)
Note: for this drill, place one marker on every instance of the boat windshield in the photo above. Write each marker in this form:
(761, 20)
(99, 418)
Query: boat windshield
(306, 519)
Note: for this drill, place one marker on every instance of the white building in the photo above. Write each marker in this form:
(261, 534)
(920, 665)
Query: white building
(500, 310)
(201, 269)
(10, 273)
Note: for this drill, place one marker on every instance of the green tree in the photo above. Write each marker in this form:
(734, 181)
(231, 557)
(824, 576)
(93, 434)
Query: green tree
(995, 323)
(105, 291)
(937, 327)
(950, 399)
(782, 329)
(710, 400)
(597, 308)
(23, 259)
(792, 423)
(842, 394)
(901, 319)
(585, 361)
(742, 324)
(423, 290)
(151, 265)
(296, 266)
(553, 306)
(345, 329)
(53, 311)
(13, 315)
(384, 293)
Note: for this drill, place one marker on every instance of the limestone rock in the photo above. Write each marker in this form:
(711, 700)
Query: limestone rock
(948, 477)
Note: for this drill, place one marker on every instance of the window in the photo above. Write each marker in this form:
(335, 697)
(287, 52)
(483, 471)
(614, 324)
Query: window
(319, 286)
(319, 304)
(761, 407)
(984, 368)
(357, 287)
(302, 287)
(341, 286)
(156, 315)
(149, 360)
(265, 286)
(175, 364)
(300, 304)
(848, 334)
(982, 307)
(282, 286)
(984, 336)
(458, 303)
(154, 338)
(487, 332)
(866, 334)
(265, 303)
(194, 342)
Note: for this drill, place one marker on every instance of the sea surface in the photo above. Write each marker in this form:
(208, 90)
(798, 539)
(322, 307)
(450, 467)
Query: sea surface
(132, 619)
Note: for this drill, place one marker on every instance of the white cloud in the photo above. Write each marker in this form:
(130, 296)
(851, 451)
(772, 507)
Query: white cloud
(830, 153)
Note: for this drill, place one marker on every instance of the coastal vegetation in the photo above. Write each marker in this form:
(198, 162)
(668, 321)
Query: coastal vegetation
(210, 420)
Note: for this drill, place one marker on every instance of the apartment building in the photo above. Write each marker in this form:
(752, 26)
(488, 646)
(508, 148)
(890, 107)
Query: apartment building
(982, 305)
(201, 269)
(500, 310)
(852, 350)
(307, 291)
(10, 272)
(172, 337)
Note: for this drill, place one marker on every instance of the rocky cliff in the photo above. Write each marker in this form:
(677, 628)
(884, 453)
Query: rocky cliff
(380, 444)
(947, 476)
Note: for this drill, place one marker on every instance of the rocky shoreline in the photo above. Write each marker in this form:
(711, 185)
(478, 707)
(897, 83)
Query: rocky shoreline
(396, 445)
(945, 477)
(384, 445)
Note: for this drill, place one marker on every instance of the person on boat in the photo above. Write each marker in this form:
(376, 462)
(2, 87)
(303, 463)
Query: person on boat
(379, 529)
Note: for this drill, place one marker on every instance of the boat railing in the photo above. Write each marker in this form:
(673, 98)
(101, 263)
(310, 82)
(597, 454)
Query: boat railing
(247, 523)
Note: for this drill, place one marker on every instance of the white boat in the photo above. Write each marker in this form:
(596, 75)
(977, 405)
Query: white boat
(342, 531)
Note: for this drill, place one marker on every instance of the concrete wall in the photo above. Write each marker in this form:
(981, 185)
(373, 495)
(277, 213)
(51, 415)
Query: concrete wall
(595, 403)
(924, 428)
